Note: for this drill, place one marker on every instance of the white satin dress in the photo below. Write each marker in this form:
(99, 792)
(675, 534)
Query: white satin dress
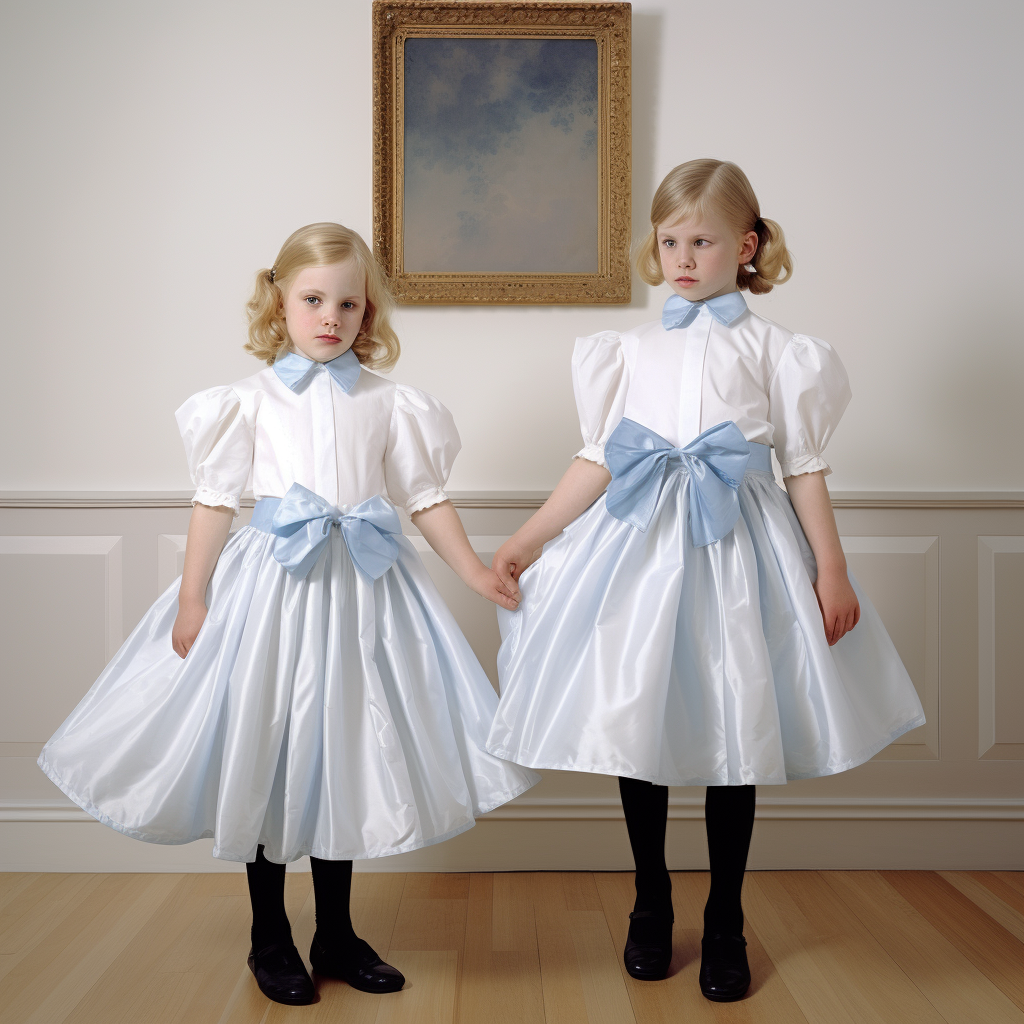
(332, 714)
(635, 653)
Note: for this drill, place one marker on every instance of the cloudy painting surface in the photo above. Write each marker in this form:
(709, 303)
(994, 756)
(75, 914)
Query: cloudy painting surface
(500, 155)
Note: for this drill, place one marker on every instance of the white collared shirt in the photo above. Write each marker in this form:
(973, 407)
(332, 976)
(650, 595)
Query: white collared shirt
(781, 389)
(379, 437)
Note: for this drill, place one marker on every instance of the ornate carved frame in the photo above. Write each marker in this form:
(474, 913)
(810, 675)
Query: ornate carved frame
(394, 21)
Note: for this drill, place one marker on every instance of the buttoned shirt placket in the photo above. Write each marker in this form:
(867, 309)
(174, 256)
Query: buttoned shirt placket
(698, 334)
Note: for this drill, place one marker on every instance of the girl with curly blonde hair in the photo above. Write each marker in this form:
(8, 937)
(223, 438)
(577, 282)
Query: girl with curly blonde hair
(303, 689)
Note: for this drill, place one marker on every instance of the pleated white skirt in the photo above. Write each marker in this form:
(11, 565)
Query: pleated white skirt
(328, 716)
(637, 654)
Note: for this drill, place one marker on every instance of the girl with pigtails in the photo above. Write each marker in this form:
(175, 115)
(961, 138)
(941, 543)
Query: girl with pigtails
(302, 687)
(685, 621)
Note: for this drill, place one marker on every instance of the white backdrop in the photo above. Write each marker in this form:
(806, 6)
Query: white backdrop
(158, 154)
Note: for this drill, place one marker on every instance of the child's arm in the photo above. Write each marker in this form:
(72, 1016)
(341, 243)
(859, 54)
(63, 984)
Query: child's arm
(583, 483)
(207, 531)
(840, 609)
(441, 526)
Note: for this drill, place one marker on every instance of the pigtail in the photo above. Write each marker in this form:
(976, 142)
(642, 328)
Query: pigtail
(267, 330)
(771, 260)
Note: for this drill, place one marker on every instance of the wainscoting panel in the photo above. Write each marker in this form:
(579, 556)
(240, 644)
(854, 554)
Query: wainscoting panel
(901, 576)
(1001, 648)
(945, 573)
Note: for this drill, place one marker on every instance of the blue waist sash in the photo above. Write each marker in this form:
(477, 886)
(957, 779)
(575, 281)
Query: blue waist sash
(640, 460)
(302, 522)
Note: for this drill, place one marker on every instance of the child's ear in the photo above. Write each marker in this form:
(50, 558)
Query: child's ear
(749, 247)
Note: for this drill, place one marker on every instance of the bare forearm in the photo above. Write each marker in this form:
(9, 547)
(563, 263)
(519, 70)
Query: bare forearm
(583, 482)
(441, 526)
(814, 510)
(207, 531)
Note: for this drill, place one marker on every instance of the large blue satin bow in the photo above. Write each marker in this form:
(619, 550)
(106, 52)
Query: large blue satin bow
(640, 460)
(680, 312)
(302, 524)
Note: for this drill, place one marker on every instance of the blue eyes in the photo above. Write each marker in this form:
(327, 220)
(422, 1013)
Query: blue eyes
(670, 243)
(312, 300)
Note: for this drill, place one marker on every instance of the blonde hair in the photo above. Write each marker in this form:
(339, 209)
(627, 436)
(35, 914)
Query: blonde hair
(699, 187)
(320, 245)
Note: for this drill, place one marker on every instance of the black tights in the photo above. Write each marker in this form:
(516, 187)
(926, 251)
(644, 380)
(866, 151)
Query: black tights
(332, 886)
(729, 817)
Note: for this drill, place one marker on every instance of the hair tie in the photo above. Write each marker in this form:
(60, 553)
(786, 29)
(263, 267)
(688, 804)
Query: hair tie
(273, 271)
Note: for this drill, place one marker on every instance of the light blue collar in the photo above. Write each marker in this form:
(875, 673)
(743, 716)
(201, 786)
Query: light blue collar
(297, 371)
(680, 312)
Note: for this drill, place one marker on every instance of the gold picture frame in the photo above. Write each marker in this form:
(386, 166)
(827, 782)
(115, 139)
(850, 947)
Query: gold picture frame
(487, 33)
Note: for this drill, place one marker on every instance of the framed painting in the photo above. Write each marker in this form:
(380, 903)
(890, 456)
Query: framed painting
(501, 163)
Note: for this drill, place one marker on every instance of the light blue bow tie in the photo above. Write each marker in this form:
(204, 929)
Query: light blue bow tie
(640, 460)
(302, 524)
(296, 371)
(680, 312)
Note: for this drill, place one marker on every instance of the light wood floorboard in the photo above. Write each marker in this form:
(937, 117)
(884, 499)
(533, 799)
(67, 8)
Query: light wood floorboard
(842, 947)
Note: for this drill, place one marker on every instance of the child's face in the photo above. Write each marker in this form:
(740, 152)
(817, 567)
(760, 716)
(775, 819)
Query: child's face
(700, 256)
(323, 309)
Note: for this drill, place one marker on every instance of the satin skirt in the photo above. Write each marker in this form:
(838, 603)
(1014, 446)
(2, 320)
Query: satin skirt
(330, 716)
(637, 654)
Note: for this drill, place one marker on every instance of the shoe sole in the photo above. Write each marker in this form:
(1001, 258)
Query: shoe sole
(359, 988)
(724, 999)
(283, 1002)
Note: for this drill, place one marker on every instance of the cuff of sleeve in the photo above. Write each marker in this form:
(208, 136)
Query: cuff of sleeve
(425, 499)
(805, 464)
(206, 496)
(592, 453)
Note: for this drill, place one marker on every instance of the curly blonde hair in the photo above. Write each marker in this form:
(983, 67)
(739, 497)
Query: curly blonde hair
(319, 245)
(701, 186)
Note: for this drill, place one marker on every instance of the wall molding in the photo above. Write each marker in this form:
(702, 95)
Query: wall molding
(989, 548)
(974, 500)
(685, 808)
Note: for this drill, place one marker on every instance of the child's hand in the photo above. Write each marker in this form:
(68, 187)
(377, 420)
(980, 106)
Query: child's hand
(487, 584)
(510, 561)
(840, 609)
(186, 626)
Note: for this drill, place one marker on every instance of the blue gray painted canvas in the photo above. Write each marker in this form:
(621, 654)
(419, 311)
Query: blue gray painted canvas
(501, 155)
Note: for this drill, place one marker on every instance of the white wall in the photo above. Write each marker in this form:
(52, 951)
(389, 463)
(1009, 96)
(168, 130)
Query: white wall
(158, 154)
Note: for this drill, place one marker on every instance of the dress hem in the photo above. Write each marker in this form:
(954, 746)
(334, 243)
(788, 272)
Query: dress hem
(408, 847)
(791, 776)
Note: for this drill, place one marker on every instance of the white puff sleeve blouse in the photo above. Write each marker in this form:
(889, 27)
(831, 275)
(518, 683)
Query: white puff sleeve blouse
(807, 394)
(422, 444)
(600, 381)
(218, 445)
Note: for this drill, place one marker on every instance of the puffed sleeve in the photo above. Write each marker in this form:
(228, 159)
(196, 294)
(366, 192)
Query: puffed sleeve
(807, 395)
(218, 445)
(599, 381)
(422, 445)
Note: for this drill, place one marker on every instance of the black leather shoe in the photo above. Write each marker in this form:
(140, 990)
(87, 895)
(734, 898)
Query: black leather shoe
(724, 973)
(357, 964)
(281, 974)
(648, 949)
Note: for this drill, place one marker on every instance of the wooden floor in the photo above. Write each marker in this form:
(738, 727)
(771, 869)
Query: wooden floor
(825, 948)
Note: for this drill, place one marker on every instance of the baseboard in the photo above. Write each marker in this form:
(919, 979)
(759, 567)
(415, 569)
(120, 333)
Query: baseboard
(588, 834)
